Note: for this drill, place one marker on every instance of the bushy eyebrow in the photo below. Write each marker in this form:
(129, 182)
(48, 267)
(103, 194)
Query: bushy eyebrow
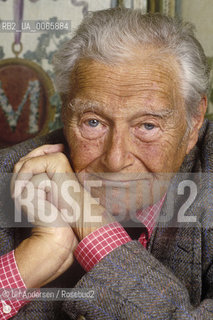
(80, 106)
(162, 113)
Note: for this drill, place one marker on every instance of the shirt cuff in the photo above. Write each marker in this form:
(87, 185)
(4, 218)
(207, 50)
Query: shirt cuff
(94, 247)
(10, 278)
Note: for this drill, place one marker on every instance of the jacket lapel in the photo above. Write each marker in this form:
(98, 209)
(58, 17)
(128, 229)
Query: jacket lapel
(176, 244)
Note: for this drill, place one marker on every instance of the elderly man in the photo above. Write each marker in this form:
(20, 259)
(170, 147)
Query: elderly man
(134, 98)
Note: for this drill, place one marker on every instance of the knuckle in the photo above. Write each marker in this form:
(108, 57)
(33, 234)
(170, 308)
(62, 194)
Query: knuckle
(43, 147)
(27, 164)
(16, 166)
(23, 158)
(61, 157)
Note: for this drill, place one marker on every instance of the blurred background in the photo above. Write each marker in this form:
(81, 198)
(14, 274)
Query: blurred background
(31, 31)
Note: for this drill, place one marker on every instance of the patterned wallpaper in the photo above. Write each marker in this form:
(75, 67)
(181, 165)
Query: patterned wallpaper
(200, 13)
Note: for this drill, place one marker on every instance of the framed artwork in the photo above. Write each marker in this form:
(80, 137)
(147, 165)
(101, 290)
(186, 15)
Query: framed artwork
(168, 7)
(25, 100)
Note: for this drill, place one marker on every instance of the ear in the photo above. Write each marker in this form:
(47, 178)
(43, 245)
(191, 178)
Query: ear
(63, 107)
(197, 124)
(63, 114)
(64, 118)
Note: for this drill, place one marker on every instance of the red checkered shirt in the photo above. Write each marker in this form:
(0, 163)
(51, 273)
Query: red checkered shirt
(10, 278)
(89, 252)
(101, 242)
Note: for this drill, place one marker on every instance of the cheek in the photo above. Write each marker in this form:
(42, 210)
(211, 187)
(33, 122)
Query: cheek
(154, 157)
(82, 152)
(163, 156)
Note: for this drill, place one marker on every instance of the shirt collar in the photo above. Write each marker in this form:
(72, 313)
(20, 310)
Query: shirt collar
(149, 215)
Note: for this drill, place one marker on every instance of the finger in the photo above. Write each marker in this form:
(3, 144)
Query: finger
(45, 186)
(51, 163)
(38, 181)
(18, 180)
(37, 209)
(40, 151)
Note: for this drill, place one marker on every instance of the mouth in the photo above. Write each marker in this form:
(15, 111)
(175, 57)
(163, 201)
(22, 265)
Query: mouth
(118, 180)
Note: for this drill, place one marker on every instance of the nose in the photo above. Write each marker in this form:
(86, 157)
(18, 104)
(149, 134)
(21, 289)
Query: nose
(117, 155)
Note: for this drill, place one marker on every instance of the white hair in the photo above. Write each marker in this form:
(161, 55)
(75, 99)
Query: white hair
(108, 35)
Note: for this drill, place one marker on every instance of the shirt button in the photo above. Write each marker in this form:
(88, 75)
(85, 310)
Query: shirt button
(7, 308)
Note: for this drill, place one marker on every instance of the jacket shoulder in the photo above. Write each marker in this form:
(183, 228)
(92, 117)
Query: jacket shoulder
(205, 146)
(200, 158)
(9, 156)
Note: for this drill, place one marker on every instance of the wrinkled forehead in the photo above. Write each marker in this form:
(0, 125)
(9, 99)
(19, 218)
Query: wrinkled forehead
(146, 78)
(141, 58)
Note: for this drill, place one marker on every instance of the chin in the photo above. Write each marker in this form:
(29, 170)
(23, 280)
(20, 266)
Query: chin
(123, 200)
(122, 204)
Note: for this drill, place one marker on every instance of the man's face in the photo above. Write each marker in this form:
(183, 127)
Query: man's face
(127, 126)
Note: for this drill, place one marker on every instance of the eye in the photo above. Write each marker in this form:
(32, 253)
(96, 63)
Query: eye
(149, 126)
(93, 123)
(147, 131)
(92, 128)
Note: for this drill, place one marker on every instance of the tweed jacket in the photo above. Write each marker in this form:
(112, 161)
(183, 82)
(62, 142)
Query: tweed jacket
(172, 279)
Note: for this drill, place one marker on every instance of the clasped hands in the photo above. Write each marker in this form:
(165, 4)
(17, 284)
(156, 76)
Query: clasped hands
(48, 252)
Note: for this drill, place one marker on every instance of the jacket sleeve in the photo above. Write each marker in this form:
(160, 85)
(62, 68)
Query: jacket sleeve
(129, 283)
